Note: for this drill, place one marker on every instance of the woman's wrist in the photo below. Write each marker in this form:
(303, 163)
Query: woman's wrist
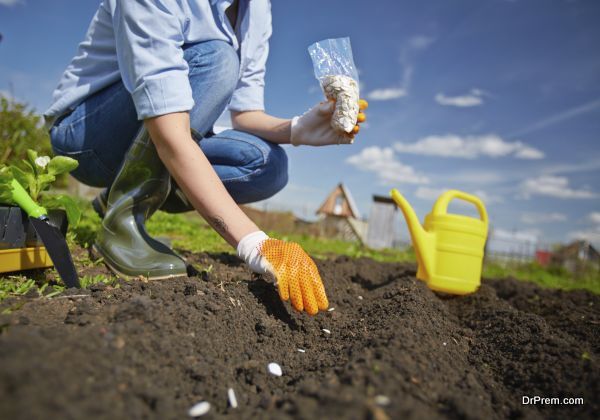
(268, 127)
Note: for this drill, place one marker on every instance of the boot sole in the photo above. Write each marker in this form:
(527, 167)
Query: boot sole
(136, 277)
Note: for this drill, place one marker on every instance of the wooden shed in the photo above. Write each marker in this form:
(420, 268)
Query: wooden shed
(576, 255)
(340, 217)
(380, 233)
(339, 202)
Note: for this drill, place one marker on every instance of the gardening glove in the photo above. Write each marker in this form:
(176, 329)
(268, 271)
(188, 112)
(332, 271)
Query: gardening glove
(297, 275)
(313, 128)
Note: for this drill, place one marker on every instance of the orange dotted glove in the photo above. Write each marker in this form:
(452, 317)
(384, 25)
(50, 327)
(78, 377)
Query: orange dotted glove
(297, 275)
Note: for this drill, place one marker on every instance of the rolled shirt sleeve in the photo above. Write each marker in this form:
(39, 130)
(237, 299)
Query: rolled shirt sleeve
(149, 40)
(249, 92)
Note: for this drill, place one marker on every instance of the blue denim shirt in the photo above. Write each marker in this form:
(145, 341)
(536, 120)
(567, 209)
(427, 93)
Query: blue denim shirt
(140, 41)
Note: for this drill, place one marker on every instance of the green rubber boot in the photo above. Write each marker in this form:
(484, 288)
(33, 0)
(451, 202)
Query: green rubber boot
(139, 189)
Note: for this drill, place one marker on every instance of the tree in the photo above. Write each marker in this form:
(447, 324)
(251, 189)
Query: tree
(20, 129)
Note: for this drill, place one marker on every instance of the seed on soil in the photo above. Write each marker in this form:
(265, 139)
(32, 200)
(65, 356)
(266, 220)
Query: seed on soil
(360, 297)
(199, 409)
(275, 369)
(382, 400)
(326, 331)
(231, 397)
(330, 309)
(302, 350)
(444, 343)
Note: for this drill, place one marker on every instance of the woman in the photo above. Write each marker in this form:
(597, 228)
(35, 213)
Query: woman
(136, 107)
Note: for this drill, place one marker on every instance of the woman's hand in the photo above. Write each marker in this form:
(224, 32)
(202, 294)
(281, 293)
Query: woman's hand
(313, 128)
(297, 275)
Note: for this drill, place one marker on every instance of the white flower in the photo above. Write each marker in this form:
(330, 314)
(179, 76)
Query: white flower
(42, 161)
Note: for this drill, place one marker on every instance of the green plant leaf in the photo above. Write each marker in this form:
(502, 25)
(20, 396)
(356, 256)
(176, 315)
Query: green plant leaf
(31, 157)
(63, 202)
(44, 180)
(26, 179)
(29, 168)
(6, 178)
(61, 164)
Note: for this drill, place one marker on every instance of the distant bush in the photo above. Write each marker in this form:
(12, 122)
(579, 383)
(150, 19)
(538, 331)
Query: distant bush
(20, 129)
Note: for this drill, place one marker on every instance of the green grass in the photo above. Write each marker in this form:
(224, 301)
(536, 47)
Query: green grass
(192, 233)
(553, 277)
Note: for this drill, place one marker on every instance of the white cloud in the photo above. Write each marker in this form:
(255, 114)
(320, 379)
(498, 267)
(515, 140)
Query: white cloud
(537, 218)
(383, 163)
(553, 186)
(525, 235)
(431, 194)
(594, 217)
(476, 177)
(428, 193)
(9, 2)
(386, 94)
(566, 168)
(558, 118)
(469, 147)
(473, 98)
(410, 48)
(592, 235)
(420, 42)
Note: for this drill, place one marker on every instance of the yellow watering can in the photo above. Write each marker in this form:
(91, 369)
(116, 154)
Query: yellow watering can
(449, 247)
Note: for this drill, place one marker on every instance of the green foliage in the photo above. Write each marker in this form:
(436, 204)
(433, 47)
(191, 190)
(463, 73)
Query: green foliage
(187, 231)
(553, 277)
(89, 280)
(16, 286)
(88, 226)
(61, 201)
(20, 129)
(5, 179)
(36, 174)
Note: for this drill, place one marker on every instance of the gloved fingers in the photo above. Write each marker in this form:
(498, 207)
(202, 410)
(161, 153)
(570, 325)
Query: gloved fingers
(355, 129)
(346, 138)
(317, 287)
(282, 286)
(362, 104)
(326, 107)
(308, 297)
(296, 294)
(361, 117)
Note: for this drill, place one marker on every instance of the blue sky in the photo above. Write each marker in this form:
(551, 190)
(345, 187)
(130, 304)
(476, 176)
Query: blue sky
(495, 97)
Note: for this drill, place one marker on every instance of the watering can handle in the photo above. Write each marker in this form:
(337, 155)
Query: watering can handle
(441, 205)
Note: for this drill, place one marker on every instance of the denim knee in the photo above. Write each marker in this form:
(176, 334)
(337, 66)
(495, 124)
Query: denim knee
(213, 73)
(278, 165)
(252, 169)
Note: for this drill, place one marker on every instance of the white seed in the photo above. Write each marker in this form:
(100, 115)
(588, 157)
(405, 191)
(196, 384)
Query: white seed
(274, 369)
(231, 397)
(330, 309)
(344, 90)
(326, 331)
(360, 297)
(199, 409)
(382, 400)
(444, 343)
(302, 350)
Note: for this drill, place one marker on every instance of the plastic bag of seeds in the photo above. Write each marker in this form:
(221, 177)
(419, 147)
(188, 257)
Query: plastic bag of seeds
(334, 68)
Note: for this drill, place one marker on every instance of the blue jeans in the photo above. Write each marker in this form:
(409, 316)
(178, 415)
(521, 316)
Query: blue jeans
(99, 131)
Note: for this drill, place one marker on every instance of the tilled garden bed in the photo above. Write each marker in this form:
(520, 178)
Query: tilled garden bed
(394, 349)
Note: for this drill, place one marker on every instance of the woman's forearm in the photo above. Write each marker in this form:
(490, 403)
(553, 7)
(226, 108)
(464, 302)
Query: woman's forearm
(196, 177)
(273, 129)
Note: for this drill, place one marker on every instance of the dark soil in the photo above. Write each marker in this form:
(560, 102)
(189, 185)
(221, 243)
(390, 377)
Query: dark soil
(152, 350)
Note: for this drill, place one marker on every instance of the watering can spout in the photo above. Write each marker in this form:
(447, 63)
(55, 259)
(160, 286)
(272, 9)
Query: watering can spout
(423, 241)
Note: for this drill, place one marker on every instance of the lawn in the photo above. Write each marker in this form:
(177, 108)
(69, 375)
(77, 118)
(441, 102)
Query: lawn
(191, 233)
